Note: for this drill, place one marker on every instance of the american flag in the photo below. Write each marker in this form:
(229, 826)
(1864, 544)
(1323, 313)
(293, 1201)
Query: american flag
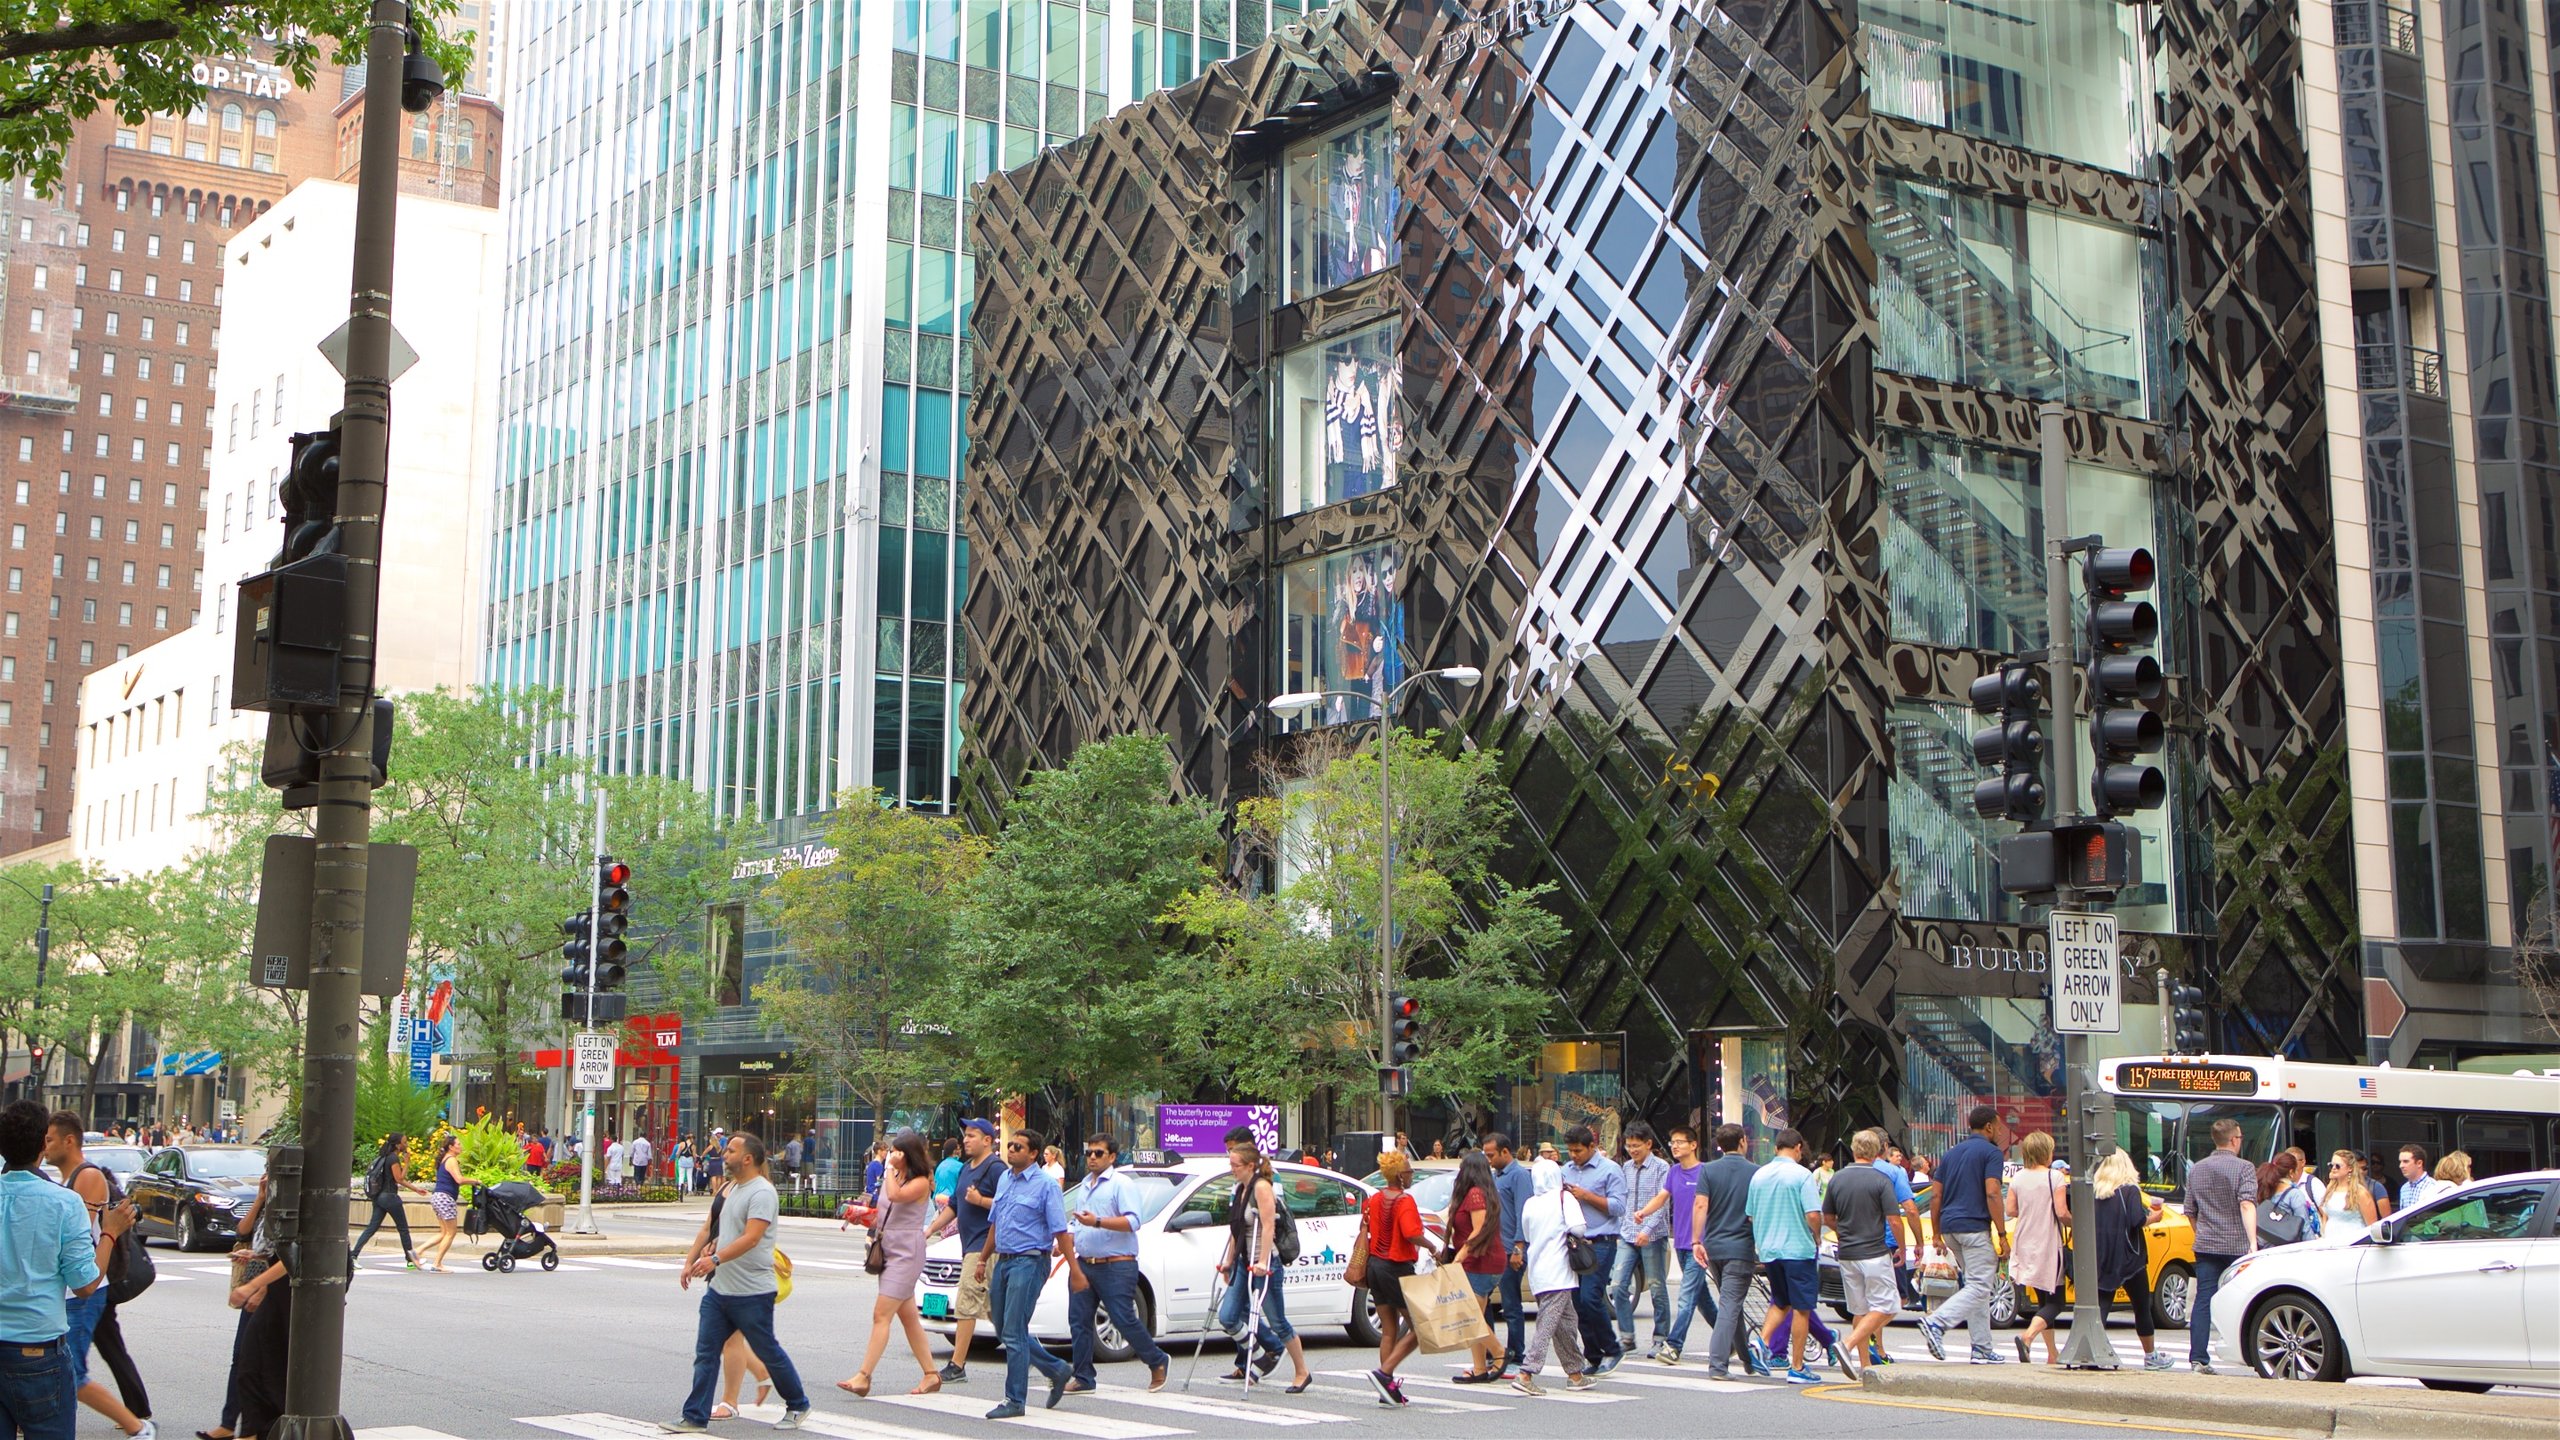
(2365, 1088)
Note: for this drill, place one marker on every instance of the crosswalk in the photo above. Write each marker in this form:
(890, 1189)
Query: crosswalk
(1125, 1412)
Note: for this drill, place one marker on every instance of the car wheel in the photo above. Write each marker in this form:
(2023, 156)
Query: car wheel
(2459, 1387)
(190, 1231)
(1109, 1345)
(2290, 1337)
(2173, 1299)
(1364, 1319)
(2004, 1302)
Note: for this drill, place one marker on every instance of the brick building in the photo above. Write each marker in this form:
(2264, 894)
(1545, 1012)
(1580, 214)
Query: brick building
(109, 296)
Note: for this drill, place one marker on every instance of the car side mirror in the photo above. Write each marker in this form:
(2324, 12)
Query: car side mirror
(2384, 1232)
(1191, 1220)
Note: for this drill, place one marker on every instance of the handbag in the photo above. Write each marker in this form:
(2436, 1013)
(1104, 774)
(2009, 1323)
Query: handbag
(1356, 1270)
(781, 1276)
(1578, 1250)
(875, 1256)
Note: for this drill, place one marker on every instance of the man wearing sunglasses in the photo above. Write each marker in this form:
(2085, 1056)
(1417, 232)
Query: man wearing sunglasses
(1028, 1219)
(1105, 1209)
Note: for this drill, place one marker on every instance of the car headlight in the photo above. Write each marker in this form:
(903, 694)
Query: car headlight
(2232, 1272)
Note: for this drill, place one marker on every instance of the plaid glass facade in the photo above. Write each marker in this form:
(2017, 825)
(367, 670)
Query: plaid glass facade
(1720, 331)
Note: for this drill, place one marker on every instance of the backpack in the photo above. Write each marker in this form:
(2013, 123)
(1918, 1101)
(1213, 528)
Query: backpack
(130, 1268)
(377, 1180)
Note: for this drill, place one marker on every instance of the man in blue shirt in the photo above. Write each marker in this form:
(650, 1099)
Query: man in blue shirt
(973, 1194)
(1965, 1211)
(45, 1250)
(1512, 1185)
(1027, 1221)
(1594, 1180)
(1105, 1210)
(1644, 1254)
(1785, 1207)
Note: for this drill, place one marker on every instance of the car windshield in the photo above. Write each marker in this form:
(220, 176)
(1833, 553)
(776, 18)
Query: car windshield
(226, 1164)
(1150, 1190)
(122, 1159)
(2164, 1137)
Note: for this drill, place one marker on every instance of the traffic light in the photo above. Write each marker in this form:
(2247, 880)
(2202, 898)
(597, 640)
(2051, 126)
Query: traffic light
(574, 954)
(613, 917)
(2121, 727)
(2186, 1020)
(1404, 1030)
(309, 496)
(2016, 744)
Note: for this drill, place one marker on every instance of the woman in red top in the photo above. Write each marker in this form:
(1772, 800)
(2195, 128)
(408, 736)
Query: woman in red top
(1394, 1226)
(1475, 1246)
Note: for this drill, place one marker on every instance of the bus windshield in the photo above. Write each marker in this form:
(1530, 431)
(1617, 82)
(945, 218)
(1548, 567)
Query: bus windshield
(2164, 1137)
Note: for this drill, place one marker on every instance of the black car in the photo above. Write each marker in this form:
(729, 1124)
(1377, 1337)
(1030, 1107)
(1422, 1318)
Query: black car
(196, 1194)
(123, 1161)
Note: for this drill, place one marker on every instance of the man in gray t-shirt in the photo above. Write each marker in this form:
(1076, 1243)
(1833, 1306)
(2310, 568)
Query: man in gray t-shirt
(1859, 1206)
(736, 1256)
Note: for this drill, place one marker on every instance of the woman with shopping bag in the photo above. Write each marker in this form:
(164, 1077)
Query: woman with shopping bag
(1393, 1225)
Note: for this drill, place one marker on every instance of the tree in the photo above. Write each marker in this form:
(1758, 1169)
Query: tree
(1295, 968)
(61, 60)
(1064, 974)
(102, 967)
(869, 932)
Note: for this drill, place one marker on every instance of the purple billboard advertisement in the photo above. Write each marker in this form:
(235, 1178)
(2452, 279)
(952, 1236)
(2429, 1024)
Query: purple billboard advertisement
(1202, 1129)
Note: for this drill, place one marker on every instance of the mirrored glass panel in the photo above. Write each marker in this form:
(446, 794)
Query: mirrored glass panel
(1339, 422)
(1344, 626)
(2003, 296)
(2061, 77)
(1342, 209)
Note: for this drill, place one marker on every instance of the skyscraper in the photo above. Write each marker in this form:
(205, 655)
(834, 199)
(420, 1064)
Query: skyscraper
(735, 377)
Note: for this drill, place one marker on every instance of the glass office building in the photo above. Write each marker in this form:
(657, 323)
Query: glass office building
(734, 383)
(1678, 366)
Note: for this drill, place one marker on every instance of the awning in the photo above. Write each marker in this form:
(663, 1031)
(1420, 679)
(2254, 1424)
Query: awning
(180, 1066)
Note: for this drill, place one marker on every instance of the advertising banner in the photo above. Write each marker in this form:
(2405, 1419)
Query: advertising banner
(1202, 1129)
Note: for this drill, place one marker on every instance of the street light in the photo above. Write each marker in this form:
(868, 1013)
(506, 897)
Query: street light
(1300, 702)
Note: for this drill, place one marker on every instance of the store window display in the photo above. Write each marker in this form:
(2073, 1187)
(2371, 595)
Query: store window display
(1341, 422)
(1342, 208)
(1345, 626)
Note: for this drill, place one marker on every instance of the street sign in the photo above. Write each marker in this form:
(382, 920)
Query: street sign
(422, 1060)
(403, 1024)
(594, 1064)
(2088, 997)
(334, 349)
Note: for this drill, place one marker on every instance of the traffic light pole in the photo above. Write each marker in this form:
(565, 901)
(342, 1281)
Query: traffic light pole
(2087, 1347)
(587, 1098)
(343, 829)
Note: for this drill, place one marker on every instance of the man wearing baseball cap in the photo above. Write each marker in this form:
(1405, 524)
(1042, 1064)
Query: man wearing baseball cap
(971, 1208)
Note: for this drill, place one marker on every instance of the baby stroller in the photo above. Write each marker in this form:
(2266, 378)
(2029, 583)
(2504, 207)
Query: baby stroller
(506, 1211)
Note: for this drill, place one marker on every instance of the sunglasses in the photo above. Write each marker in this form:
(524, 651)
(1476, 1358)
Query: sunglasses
(1015, 1145)
(1096, 1154)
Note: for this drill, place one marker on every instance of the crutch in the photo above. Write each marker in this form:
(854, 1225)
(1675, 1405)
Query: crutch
(1253, 1297)
(1217, 1292)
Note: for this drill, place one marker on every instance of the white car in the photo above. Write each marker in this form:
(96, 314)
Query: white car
(1182, 1233)
(2461, 1292)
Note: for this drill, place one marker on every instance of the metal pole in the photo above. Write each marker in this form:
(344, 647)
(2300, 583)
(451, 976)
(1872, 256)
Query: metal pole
(587, 1103)
(2086, 1348)
(1386, 926)
(344, 826)
(44, 958)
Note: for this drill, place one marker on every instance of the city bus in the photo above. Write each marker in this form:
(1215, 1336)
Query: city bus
(2166, 1106)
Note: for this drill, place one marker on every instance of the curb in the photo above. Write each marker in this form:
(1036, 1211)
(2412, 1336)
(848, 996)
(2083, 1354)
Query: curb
(2249, 1403)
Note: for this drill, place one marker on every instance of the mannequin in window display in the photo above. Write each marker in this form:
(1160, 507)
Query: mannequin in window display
(1361, 199)
(1356, 635)
(1354, 447)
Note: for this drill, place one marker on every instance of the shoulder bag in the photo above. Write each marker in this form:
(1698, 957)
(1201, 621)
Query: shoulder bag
(1578, 1251)
(130, 1268)
(875, 1257)
(1356, 1272)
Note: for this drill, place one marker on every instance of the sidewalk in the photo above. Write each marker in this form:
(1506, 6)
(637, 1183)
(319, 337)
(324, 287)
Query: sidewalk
(2242, 1401)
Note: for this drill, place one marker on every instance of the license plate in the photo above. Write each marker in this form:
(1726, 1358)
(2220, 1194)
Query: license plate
(937, 1306)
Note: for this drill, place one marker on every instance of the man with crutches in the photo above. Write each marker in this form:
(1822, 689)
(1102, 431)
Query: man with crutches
(1253, 1275)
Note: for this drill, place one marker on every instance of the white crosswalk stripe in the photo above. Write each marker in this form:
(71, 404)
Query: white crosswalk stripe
(403, 1432)
(1555, 1392)
(1668, 1379)
(629, 1262)
(593, 1425)
(1244, 1411)
(1062, 1420)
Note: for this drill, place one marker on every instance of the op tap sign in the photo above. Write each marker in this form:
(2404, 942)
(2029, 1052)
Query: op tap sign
(592, 1061)
(2086, 997)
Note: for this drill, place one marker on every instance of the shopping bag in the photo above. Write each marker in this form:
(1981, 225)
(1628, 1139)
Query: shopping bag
(1444, 1310)
(969, 1302)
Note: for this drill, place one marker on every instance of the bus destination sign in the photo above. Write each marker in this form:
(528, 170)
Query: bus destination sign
(2158, 1077)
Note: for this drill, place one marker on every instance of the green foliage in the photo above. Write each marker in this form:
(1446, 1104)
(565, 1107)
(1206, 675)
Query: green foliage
(389, 1103)
(63, 60)
(105, 965)
(1296, 970)
(870, 934)
(490, 1153)
(1063, 970)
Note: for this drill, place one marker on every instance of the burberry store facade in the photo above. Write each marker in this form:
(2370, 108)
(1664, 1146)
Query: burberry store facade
(1676, 364)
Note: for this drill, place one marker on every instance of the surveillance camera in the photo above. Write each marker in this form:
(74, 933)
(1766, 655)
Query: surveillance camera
(421, 83)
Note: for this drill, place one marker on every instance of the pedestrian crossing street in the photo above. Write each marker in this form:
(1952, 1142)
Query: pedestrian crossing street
(1124, 1412)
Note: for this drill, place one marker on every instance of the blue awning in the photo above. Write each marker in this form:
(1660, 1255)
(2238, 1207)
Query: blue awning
(180, 1066)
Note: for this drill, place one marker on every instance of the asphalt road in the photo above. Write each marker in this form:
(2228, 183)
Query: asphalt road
(602, 1349)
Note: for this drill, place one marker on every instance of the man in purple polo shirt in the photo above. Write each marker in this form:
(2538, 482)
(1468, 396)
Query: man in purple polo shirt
(1697, 1288)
